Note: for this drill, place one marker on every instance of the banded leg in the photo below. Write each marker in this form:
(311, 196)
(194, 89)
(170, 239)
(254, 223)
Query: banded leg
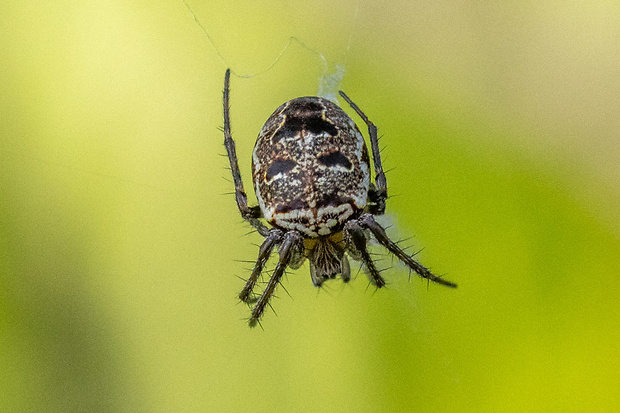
(356, 240)
(377, 230)
(250, 214)
(275, 235)
(378, 192)
(290, 242)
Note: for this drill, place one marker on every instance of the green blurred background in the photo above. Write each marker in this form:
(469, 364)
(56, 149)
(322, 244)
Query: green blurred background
(119, 248)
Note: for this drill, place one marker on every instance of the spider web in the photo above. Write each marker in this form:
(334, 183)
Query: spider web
(332, 69)
(60, 155)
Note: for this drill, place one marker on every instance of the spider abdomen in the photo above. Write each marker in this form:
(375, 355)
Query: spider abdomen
(310, 167)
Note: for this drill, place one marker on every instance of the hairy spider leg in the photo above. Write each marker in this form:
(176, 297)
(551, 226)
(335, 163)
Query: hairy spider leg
(290, 241)
(377, 194)
(250, 214)
(356, 241)
(274, 237)
(377, 230)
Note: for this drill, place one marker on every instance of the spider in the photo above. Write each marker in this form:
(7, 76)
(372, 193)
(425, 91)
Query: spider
(311, 175)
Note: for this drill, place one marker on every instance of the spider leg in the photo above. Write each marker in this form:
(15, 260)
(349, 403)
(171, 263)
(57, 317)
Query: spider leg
(345, 268)
(250, 214)
(290, 241)
(377, 230)
(356, 241)
(275, 235)
(378, 192)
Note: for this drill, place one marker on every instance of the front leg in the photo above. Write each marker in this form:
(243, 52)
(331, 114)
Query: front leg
(378, 192)
(250, 214)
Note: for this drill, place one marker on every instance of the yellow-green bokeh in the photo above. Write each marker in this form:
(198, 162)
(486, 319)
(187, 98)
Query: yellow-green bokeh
(120, 247)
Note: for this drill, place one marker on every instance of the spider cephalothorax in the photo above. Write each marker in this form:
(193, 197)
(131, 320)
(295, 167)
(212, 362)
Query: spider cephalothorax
(311, 176)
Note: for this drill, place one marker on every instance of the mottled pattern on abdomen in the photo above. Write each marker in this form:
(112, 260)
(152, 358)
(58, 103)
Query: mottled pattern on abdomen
(308, 174)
